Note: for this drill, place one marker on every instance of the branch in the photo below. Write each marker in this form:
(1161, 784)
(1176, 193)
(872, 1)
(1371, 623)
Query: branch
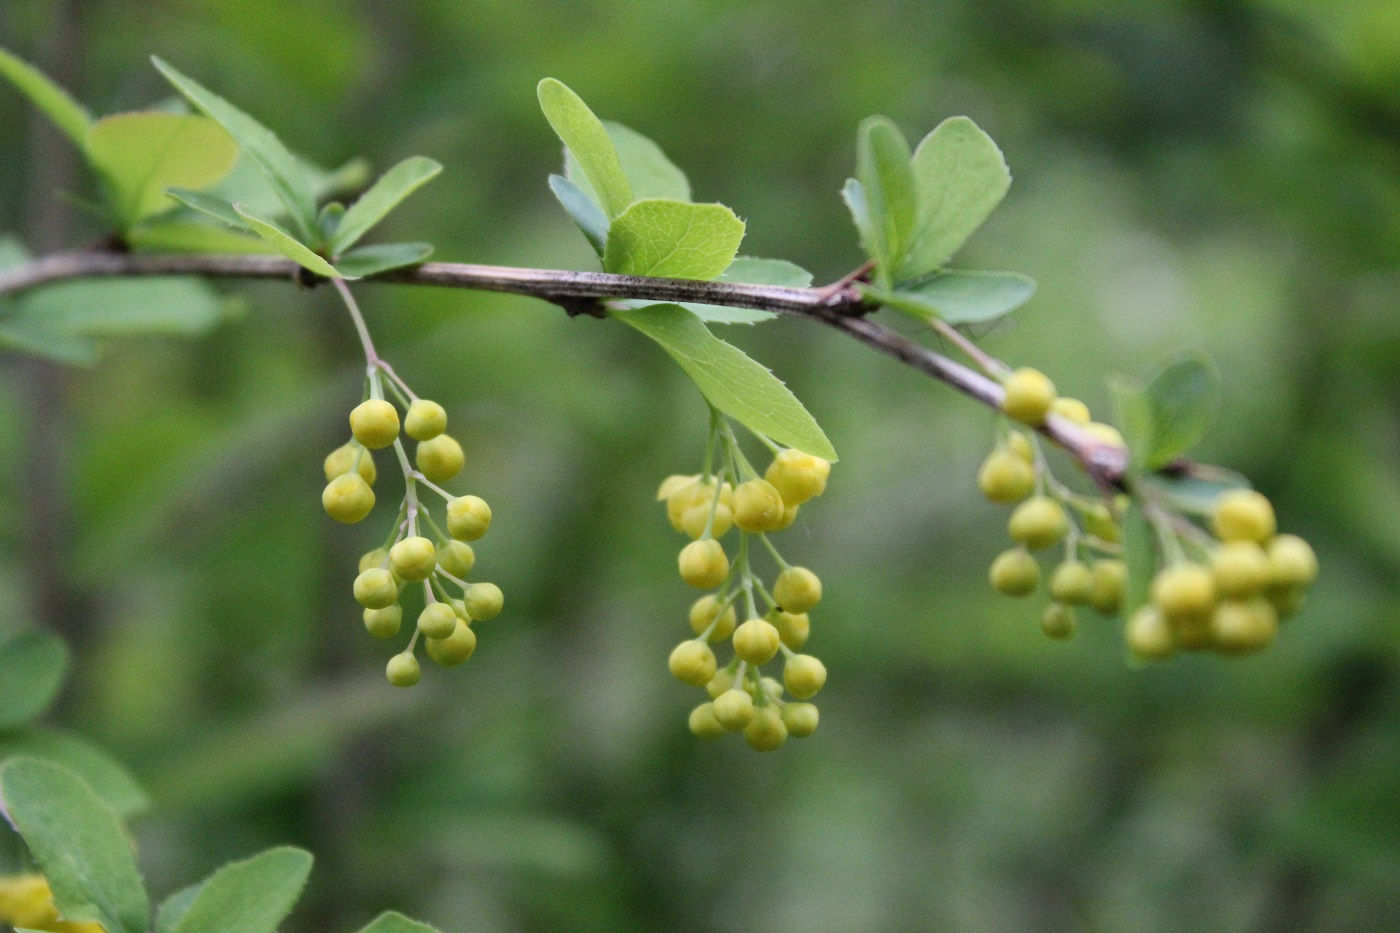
(841, 308)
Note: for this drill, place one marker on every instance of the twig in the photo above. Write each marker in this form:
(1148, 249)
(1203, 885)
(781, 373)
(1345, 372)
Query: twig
(841, 310)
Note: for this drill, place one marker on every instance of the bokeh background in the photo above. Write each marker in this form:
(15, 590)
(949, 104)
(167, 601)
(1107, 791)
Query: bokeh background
(1207, 174)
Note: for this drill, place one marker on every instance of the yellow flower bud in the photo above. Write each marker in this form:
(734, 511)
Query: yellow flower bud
(413, 559)
(468, 518)
(1244, 515)
(804, 675)
(455, 648)
(437, 620)
(703, 564)
(375, 423)
(403, 670)
(797, 589)
(703, 612)
(457, 558)
(765, 731)
(756, 641)
(425, 420)
(797, 477)
(375, 588)
(439, 459)
(484, 601)
(348, 498)
(1029, 394)
(703, 724)
(692, 662)
(757, 506)
(350, 457)
(733, 709)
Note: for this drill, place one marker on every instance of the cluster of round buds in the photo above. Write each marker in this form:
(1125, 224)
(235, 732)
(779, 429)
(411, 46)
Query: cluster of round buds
(1047, 515)
(440, 564)
(707, 507)
(1230, 601)
(1225, 592)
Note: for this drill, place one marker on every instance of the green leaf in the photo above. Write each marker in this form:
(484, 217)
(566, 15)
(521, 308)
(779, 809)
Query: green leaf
(371, 260)
(585, 212)
(190, 236)
(210, 205)
(124, 307)
(1139, 552)
(328, 221)
(282, 170)
(288, 245)
(960, 297)
(108, 778)
(1185, 399)
(732, 382)
(174, 907)
(329, 183)
(386, 194)
(588, 140)
(37, 339)
(751, 271)
(673, 239)
(393, 922)
(78, 844)
(139, 155)
(1135, 419)
(32, 668)
(649, 173)
(859, 205)
(252, 896)
(961, 177)
(67, 114)
(882, 166)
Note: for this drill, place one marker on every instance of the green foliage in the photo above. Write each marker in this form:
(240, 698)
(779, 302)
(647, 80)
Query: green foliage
(78, 844)
(66, 320)
(393, 922)
(589, 143)
(673, 239)
(252, 896)
(280, 239)
(381, 257)
(1170, 414)
(649, 173)
(283, 171)
(108, 778)
(959, 297)
(67, 114)
(584, 210)
(913, 212)
(375, 204)
(961, 177)
(891, 198)
(32, 668)
(730, 380)
(139, 155)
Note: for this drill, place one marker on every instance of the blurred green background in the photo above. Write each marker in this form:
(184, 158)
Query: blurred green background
(1215, 175)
